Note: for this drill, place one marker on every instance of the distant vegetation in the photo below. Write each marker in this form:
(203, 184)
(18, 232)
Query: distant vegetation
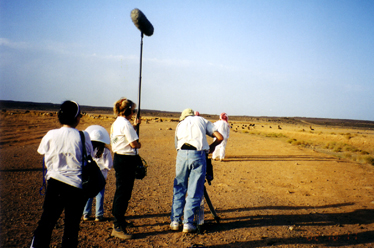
(345, 139)
(251, 119)
(354, 143)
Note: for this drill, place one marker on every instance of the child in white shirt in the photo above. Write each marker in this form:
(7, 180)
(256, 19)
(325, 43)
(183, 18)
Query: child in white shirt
(99, 137)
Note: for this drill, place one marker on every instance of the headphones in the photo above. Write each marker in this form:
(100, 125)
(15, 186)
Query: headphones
(128, 110)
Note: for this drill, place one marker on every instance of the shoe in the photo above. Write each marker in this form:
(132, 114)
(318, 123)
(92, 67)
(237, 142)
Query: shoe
(99, 218)
(86, 217)
(174, 225)
(118, 233)
(189, 228)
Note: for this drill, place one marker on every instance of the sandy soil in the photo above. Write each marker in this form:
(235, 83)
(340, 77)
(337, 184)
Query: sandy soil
(266, 192)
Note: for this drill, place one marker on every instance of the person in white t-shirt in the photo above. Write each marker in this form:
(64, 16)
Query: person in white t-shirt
(62, 150)
(190, 171)
(124, 142)
(224, 128)
(99, 137)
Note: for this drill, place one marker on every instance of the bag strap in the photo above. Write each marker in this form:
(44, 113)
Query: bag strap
(84, 154)
(44, 186)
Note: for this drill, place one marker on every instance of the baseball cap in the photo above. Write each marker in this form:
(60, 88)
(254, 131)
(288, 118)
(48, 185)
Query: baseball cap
(185, 113)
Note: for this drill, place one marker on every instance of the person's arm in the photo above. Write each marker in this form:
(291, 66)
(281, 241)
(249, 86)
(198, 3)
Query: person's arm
(135, 144)
(107, 157)
(218, 139)
(132, 134)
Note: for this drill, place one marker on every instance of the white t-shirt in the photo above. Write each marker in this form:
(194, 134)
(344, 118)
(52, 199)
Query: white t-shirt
(193, 130)
(121, 135)
(105, 162)
(62, 150)
(223, 128)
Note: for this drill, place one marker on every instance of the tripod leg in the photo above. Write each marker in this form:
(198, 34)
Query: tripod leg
(212, 210)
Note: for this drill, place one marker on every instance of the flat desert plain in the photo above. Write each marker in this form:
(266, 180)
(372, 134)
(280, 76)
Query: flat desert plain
(276, 187)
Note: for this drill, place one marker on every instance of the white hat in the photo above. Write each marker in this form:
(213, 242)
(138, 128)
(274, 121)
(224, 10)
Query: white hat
(98, 133)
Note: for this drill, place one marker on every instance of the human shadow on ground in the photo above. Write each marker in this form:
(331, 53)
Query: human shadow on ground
(167, 214)
(338, 205)
(239, 158)
(316, 239)
(300, 222)
(361, 216)
(21, 170)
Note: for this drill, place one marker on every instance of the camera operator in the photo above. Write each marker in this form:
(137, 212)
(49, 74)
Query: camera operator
(192, 147)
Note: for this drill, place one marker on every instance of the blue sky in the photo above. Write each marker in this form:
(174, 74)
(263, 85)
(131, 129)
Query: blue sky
(257, 58)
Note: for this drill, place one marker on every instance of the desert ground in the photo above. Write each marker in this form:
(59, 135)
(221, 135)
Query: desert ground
(285, 186)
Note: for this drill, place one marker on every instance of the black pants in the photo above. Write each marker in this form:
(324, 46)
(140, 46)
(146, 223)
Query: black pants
(60, 196)
(124, 166)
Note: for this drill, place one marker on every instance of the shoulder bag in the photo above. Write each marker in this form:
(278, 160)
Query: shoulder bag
(141, 168)
(93, 180)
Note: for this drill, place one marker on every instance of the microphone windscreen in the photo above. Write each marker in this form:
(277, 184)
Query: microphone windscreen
(141, 22)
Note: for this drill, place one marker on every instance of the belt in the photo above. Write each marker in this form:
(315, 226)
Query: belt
(187, 146)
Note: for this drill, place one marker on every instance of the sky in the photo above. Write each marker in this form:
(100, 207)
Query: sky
(289, 58)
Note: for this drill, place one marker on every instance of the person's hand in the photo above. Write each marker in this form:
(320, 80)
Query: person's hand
(135, 144)
(137, 121)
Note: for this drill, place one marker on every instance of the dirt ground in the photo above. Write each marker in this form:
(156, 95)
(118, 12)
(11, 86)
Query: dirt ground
(266, 192)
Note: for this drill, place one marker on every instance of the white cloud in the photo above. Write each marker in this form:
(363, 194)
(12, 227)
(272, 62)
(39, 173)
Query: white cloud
(15, 45)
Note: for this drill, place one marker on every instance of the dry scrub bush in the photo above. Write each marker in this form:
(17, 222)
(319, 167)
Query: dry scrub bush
(369, 160)
(357, 145)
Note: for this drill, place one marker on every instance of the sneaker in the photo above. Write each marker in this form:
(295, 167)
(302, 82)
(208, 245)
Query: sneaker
(189, 228)
(99, 218)
(86, 217)
(118, 233)
(174, 225)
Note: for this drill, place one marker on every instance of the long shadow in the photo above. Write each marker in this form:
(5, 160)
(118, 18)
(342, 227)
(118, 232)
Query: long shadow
(148, 216)
(247, 209)
(286, 207)
(326, 240)
(360, 216)
(22, 170)
(276, 158)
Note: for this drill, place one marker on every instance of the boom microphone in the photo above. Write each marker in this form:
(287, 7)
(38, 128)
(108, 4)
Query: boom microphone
(141, 22)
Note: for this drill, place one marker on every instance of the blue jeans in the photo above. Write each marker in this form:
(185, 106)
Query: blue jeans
(190, 177)
(99, 205)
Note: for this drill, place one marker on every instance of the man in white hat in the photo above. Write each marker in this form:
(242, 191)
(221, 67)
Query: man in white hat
(192, 147)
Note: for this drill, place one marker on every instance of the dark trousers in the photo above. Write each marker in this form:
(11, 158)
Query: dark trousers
(124, 165)
(60, 196)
